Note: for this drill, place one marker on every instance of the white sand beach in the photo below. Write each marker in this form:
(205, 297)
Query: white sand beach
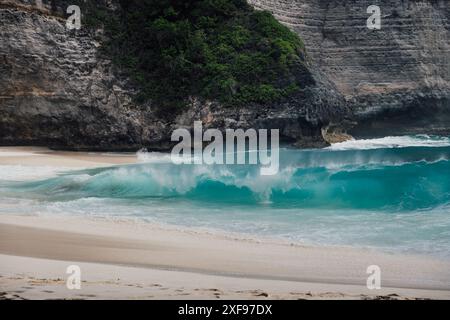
(130, 259)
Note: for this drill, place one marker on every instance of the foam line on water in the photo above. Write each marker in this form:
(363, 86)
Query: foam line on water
(27, 173)
(392, 142)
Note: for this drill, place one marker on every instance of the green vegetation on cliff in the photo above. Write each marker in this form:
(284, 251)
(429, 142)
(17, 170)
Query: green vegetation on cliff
(213, 49)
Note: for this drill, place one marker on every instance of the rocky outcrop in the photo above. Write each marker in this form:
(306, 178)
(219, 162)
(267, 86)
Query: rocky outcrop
(396, 79)
(57, 90)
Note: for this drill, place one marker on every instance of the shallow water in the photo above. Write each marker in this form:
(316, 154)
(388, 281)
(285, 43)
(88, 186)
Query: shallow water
(391, 193)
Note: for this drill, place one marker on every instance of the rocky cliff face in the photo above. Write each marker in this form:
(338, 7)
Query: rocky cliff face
(396, 79)
(57, 90)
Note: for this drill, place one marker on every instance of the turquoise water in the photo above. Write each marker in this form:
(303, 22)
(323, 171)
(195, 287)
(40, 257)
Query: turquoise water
(391, 193)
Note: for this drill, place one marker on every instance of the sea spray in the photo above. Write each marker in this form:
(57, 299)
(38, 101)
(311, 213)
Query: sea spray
(361, 179)
(239, 147)
(395, 197)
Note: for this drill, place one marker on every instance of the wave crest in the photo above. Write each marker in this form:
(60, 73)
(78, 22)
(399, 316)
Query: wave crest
(408, 186)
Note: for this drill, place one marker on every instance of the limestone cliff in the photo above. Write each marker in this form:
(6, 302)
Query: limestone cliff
(396, 79)
(57, 90)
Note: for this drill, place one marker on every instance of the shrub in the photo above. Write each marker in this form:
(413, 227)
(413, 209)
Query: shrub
(213, 49)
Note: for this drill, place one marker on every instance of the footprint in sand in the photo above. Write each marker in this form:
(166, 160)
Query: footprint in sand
(262, 294)
(87, 295)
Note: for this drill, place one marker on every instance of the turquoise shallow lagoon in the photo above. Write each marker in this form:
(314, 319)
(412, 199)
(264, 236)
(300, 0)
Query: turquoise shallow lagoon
(391, 193)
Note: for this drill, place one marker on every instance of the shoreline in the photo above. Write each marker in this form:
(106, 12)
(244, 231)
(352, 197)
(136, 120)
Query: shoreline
(151, 250)
(40, 156)
(168, 262)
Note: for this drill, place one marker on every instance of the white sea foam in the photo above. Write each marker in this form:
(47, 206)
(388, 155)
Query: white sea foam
(306, 206)
(392, 142)
(153, 157)
(24, 173)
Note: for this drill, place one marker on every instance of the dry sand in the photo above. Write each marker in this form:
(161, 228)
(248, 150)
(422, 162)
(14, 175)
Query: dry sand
(130, 259)
(36, 156)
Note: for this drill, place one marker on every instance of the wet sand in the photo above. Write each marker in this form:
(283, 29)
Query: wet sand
(129, 259)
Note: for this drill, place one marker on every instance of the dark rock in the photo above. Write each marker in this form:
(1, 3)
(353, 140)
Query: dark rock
(397, 79)
(58, 91)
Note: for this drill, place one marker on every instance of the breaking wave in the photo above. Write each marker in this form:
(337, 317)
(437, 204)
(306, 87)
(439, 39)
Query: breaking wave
(381, 179)
(391, 193)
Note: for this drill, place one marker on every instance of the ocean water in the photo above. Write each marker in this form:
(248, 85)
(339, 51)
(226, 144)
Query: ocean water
(391, 194)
